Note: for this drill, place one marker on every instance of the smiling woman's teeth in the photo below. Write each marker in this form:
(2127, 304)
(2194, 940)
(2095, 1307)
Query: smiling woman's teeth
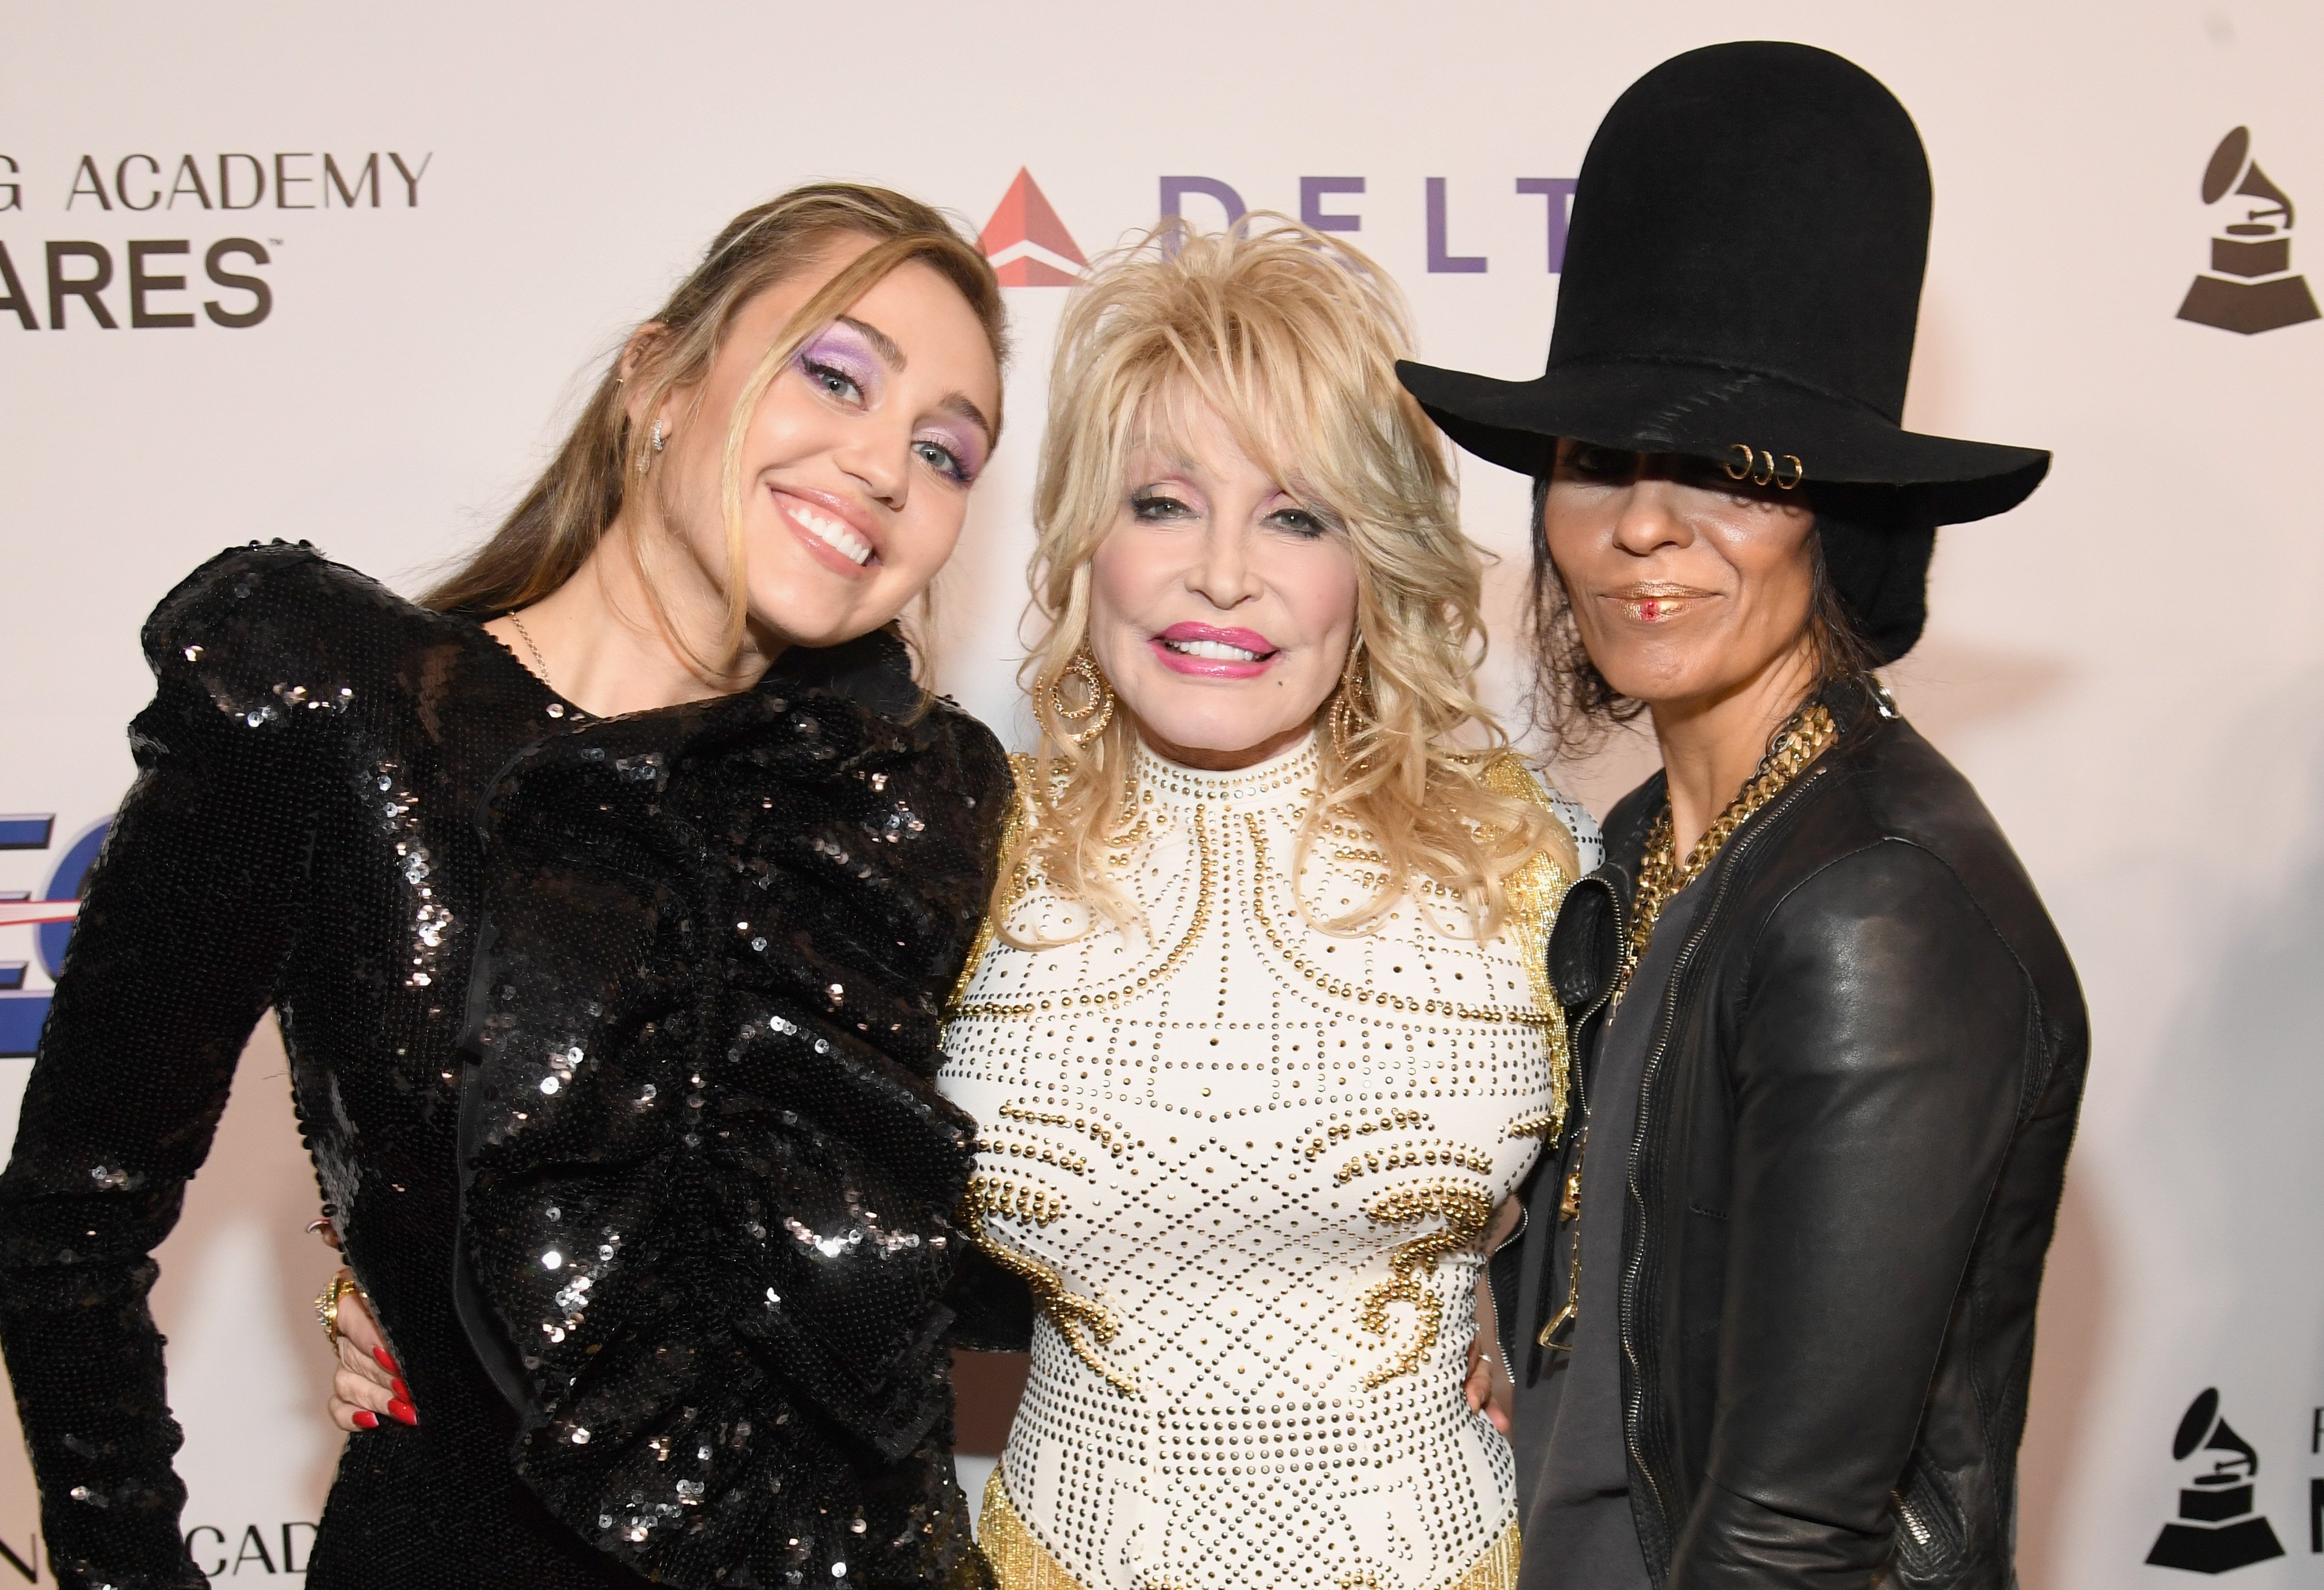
(1214, 651)
(834, 534)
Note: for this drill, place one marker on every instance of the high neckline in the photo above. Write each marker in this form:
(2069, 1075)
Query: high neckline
(1263, 783)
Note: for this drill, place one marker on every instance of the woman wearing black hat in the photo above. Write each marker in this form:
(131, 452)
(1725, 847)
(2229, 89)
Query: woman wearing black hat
(1772, 1316)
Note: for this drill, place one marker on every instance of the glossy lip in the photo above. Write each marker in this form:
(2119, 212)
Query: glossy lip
(829, 506)
(1216, 668)
(1656, 601)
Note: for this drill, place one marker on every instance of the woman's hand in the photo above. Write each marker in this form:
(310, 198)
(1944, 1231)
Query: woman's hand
(367, 1386)
(1490, 1390)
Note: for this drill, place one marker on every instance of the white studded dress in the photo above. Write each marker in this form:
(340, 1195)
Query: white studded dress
(1246, 1165)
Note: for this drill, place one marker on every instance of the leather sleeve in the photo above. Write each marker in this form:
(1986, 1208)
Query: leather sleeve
(1884, 1035)
(185, 927)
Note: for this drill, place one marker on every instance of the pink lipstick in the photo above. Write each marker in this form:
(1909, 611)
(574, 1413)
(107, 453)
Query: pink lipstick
(1208, 651)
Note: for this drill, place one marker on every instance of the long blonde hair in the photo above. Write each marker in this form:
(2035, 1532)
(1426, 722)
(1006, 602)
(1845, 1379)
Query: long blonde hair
(1291, 339)
(567, 513)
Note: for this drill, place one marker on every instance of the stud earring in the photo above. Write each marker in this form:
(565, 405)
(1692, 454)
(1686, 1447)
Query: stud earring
(1087, 722)
(656, 436)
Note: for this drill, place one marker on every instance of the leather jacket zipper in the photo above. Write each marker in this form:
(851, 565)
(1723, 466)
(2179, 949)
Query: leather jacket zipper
(1912, 1520)
(1546, 1333)
(1525, 1218)
(1636, 1264)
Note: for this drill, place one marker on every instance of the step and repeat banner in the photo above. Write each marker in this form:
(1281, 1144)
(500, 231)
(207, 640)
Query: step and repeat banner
(340, 273)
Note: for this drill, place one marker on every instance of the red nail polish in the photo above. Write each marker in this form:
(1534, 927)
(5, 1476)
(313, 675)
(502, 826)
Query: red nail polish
(401, 1389)
(401, 1409)
(386, 1360)
(365, 1419)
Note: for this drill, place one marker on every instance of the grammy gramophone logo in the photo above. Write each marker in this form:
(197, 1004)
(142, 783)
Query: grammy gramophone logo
(2219, 1527)
(2250, 287)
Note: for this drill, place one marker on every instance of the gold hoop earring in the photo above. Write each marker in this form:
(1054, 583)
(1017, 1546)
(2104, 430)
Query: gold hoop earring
(1345, 725)
(1088, 722)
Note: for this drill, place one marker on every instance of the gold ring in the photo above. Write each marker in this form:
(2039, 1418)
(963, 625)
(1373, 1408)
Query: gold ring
(1799, 472)
(1759, 479)
(1732, 472)
(327, 1307)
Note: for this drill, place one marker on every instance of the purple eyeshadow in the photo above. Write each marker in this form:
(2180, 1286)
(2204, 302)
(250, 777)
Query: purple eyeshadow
(840, 349)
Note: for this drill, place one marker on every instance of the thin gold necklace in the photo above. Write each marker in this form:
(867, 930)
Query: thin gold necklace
(1800, 739)
(539, 663)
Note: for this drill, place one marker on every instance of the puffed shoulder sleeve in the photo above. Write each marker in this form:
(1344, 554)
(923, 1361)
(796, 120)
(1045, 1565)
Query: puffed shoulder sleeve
(187, 918)
(708, 1178)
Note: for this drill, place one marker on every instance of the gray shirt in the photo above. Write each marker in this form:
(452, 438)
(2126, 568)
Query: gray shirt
(1573, 1474)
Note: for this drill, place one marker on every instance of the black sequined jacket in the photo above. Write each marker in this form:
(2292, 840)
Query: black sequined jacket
(613, 1042)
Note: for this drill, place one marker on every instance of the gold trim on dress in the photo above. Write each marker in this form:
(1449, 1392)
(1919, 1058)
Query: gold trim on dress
(1021, 1562)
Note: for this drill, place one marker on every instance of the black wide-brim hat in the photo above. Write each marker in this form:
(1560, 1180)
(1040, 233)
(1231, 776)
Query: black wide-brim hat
(1742, 280)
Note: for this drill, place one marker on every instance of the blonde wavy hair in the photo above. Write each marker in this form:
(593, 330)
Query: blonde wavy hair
(1291, 339)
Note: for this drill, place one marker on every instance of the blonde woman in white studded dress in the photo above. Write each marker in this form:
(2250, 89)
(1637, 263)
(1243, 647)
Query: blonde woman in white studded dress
(1257, 1036)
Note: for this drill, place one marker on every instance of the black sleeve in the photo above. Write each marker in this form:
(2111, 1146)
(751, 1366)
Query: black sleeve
(1884, 1041)
(187, 921)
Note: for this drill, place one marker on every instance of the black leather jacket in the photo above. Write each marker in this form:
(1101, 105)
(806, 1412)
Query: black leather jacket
(1859, 1094)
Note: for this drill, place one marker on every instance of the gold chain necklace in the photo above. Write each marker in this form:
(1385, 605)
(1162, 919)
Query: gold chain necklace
(539, 663)
(1799, 742)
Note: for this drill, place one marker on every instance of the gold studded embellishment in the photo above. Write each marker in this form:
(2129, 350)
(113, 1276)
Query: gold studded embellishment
(1465, 1211)
(1077, 1318)
(1341, 988)
(1107, 998)
(1535, 894)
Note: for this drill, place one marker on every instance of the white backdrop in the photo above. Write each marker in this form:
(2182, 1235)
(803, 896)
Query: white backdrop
(2131, 666)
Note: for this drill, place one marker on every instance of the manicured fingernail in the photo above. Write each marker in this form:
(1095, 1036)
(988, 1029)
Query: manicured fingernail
(386, 1360)
(365, 1419)
(400, 1409)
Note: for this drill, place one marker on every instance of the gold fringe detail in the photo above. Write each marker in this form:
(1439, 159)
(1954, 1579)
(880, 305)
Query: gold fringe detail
(1021, 1562)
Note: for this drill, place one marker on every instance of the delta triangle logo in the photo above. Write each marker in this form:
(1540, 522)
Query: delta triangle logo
(1027, 244)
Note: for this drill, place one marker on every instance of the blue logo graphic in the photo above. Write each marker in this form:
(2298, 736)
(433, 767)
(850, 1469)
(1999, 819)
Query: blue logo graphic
(23, 1012)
